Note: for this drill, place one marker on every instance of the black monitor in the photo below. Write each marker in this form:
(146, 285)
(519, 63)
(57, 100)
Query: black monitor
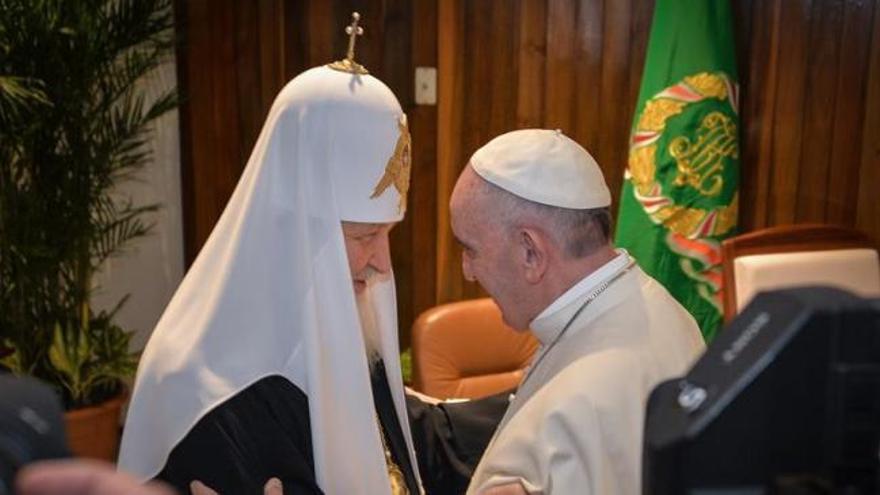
(31, 426)
(785, 400)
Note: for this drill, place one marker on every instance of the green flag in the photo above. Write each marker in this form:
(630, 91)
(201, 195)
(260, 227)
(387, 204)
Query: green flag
(680, 196)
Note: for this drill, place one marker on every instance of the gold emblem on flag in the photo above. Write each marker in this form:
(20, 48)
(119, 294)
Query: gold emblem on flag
(701, 162)
(699, 159)
(683, 139)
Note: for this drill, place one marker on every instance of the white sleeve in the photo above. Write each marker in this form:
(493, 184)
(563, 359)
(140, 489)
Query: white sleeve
(552, 445)
(580, 433)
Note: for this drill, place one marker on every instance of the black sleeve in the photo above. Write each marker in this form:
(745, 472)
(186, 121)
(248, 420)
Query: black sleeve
(450, 438)
(260, 433)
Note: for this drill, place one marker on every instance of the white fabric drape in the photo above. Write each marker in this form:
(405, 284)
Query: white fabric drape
(271, 291)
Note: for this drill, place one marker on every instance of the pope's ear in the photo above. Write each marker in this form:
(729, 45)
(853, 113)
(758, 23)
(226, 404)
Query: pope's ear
(533, 247)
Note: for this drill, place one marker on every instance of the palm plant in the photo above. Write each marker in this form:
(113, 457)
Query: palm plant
(73, 124)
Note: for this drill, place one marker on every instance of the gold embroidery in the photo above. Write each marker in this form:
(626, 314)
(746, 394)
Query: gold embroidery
(701, 163)
(657, 111)
(641, 165)
(395, 474)
(397, 171)
(685, 221)
(708, 85)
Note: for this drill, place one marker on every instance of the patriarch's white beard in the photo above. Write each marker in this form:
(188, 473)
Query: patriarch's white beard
(370, 328)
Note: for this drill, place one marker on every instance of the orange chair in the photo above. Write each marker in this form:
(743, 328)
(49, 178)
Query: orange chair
(464, 350)
(797, 255)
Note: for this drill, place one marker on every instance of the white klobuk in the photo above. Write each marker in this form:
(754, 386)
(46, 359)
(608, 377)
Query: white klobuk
(271, 293)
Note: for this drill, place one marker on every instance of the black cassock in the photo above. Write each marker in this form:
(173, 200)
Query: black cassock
(263, 432)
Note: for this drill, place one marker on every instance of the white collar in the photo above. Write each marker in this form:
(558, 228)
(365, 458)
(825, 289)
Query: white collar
(550, 322)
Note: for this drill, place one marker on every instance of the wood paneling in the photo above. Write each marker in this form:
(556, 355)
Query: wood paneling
(868, 203)
(450, 89)
(230, 66)
(808, 113)
(531, 47)
(422, 218)
(810, 107)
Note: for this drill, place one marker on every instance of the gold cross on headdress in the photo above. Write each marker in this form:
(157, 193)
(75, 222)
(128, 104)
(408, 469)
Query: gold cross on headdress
(348, 64)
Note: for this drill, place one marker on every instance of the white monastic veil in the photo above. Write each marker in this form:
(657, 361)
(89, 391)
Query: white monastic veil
(271, 293)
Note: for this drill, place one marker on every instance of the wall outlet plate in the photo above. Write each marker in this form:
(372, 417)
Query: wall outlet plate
(426, 86)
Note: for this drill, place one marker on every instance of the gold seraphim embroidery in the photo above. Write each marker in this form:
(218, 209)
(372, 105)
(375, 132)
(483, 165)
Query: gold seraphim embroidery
(397, 170)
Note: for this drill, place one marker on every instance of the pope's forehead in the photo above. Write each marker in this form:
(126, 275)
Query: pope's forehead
(466, 187)
(470, 204)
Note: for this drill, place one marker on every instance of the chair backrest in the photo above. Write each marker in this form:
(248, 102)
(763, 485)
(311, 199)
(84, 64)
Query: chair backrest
(797, 255)
(464, 350)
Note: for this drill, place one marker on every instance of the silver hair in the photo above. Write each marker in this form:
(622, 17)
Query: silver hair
(578, 232)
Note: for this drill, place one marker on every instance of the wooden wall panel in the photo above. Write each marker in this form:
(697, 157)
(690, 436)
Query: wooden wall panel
(531, 48)
(868, 202)
(805, 70)
(450, 127)
(230, 66)
(588, 51)
(849, 113)
(422, 216)
(818, 103)
(559, 87)
(617, 102)
(755, 29)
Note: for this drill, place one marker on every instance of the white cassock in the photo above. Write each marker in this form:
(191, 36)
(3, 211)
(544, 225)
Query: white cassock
(575, 424)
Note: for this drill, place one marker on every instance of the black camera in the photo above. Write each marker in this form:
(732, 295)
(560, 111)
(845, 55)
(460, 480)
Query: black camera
(31, 426)
(785, 400)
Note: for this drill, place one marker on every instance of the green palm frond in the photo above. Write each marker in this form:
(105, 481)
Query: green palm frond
(19, 95)
(74, 123)
(116, 226)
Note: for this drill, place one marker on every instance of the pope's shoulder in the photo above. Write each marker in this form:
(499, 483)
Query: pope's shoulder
(604, 382)
(589, 384)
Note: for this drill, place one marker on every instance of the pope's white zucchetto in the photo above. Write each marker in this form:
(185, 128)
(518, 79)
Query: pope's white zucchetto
(544, 166)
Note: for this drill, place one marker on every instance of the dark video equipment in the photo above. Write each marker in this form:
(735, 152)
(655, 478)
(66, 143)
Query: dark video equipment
(785, 401)
(31, 426)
